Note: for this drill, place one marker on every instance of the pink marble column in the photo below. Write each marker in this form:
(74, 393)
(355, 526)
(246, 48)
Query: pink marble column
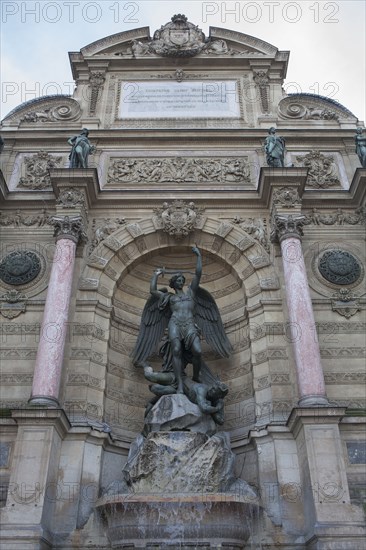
(302, 323)
(50, 354)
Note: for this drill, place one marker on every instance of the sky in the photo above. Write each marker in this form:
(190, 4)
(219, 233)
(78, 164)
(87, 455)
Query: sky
(326, 40)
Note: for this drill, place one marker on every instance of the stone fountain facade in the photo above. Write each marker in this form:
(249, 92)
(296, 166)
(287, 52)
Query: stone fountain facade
(283, 253)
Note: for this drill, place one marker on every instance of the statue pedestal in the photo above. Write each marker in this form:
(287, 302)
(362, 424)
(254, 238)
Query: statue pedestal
(178, 486)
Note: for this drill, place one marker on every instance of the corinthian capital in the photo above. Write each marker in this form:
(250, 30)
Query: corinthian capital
(67, 227)
(285, 227)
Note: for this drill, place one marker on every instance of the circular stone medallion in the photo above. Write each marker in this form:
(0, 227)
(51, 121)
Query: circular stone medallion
(19, 268)
(339, 267)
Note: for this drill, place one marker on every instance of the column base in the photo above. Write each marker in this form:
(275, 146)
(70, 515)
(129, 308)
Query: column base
(44, 401)
(314, 401)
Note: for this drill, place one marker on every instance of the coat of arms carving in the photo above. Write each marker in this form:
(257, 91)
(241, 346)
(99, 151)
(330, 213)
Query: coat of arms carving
(178, 219)
(178, 38)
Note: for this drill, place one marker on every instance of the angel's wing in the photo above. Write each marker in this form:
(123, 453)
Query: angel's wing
(154, 321)
(209, 320)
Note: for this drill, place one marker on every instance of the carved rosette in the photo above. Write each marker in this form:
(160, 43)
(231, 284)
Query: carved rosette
(286, 227)
(178, 219)
(69, 228)
(38, 170)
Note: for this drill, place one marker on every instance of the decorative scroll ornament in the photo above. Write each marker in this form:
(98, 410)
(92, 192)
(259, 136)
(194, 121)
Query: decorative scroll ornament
(178, 38)
(286, 227)
(46, 109)
(12, 304)
(323, 172)
(286, 196)
(345, 303)
(19, 268)
(178, 219)
(179, 170)
(69, 228)
(312, 107)
(339, 267)
(71, 198)
(38, 170)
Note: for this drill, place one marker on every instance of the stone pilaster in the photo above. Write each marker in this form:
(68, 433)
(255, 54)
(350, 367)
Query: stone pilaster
(331, 520)
(34, 486)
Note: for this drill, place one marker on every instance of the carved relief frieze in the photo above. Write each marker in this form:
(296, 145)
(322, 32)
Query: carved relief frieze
(323, 170)
(339, 217)
(179, 170)
(18, 353)
(37, 170)
(343, 353)
(18, 219)
(345, 377)
(178, 218)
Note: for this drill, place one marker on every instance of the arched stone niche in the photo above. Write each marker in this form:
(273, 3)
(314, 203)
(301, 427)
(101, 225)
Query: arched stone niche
(115, 283)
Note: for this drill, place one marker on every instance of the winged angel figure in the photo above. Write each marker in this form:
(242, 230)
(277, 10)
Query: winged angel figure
(186, 315)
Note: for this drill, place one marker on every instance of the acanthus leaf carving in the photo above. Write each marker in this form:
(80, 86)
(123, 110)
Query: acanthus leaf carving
(285, 227)
(69, 227)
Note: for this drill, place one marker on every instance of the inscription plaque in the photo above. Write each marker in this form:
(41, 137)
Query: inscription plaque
(188, 99)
